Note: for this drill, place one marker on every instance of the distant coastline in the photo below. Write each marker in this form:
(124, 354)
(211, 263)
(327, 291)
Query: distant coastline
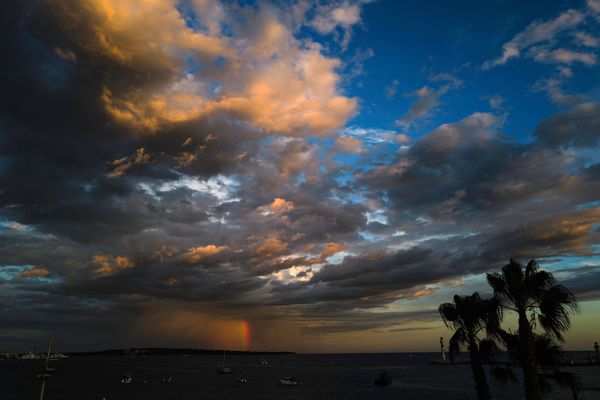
(166, 351)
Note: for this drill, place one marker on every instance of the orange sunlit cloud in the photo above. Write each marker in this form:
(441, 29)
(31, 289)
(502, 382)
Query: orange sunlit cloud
(294, 93)
(108, 265)
(196, 254)
(35, 272)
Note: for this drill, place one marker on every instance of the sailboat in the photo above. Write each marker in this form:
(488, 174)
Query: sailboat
(222, 369)
(46, 374)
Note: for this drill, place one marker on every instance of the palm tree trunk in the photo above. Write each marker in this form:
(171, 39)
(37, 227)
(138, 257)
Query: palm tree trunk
(528, 361)
(481, 385)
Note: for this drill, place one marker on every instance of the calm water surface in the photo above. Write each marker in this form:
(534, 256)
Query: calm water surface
(331, 377)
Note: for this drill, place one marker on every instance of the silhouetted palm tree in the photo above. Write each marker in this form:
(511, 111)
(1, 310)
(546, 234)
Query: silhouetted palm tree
(469, 317)
(528, 290)
(549, 356)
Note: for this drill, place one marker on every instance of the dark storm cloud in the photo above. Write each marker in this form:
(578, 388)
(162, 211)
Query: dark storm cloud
(369, 281)
(464, 169)
(579, 126)
(584, 282)
(566, 233)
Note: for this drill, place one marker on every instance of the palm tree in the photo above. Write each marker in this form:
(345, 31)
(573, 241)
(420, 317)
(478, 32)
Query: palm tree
(469, 316)
(549, 356)
(529, 290)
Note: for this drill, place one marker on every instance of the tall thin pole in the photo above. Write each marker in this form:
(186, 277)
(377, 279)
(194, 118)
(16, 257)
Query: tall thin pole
(42, 389)
(47, 373)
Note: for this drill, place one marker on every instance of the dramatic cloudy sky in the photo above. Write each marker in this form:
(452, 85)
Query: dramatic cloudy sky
(292, 175)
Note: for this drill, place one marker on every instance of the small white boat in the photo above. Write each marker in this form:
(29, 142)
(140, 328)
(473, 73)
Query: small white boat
(167, 379)
(264, 362)
(126, 379)
(242, 379)
(289, 381)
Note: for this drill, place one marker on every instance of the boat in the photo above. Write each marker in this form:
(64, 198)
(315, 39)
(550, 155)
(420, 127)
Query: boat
(264, 362)
(384, 379)
(222, 369)
(126, 379)
(289, 381)
(46, 374)
(242, 379)
(167, 379)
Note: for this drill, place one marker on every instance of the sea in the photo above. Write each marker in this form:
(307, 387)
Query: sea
(323, 376)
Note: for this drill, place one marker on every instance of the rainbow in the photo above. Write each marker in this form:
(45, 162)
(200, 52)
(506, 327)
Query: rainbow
(245, 335)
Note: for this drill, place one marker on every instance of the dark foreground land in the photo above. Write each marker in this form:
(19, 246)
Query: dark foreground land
(331, 377)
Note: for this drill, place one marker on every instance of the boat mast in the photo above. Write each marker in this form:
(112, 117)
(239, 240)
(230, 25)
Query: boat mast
(47, 373)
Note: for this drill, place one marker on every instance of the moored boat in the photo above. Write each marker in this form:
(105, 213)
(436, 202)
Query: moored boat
(384, 379)
(222, 369)
(289, 381)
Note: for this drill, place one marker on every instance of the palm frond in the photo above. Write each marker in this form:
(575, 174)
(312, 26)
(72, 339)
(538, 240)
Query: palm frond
(448, 312)
(554, 305)
(505, 376)
(454, 343)
(567, 379)
(531, 268)
(539, 282)
(547, 352)
(512, 274)
(561, 378)
(497, 283)
(488, 349)
(492, 316)
(555, 325)
(512, 342)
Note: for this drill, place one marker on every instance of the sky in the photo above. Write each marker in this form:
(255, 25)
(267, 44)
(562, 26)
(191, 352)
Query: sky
(291, 175)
